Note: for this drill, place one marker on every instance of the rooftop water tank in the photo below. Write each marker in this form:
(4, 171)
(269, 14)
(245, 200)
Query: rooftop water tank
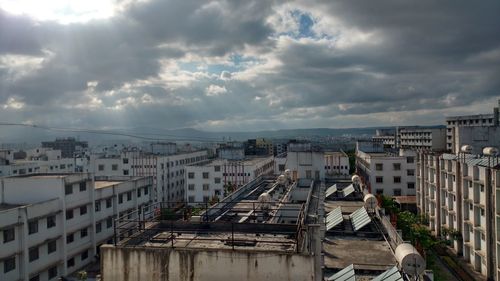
(409, 260)
(288, 173)
(490, 151)
(281, 180)
(355, 179)
(466, 148)
(370, 202)
(265, 201)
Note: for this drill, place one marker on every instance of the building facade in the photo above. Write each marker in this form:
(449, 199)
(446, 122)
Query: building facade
(391, 174)
(336, 163)
(67, 146)
(461, 194)
(167, 170)
(53, 225)
(213, 180)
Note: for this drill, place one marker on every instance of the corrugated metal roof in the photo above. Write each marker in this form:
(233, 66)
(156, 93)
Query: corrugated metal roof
(348, 190)
(334, 218)
(346, 274)
(359, 218)
(391, 274)
(331, 190)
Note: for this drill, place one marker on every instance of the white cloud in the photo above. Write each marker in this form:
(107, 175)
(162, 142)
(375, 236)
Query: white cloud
(215, 90)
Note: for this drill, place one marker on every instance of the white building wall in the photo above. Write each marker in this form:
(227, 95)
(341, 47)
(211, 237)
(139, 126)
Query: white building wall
(40, 197)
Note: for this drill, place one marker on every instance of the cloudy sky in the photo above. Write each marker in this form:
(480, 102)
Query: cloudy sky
(246, 65)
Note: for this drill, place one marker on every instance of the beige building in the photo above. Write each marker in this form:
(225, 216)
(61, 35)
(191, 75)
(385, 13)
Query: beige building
(462, 193)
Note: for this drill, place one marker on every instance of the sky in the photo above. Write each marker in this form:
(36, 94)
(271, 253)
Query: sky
(242, 65)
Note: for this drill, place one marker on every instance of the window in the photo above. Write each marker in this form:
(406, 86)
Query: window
(109, 222)
(33, 254)
(120, 198)
(411, 185)
(217, 180)
(109, 203)
(217, 168)
(138, 192)
(217, 192)
(482, 212)
(9, 264)
(129, 195)
(114, 167)
(71, 262)
(98, 227)
(410, 159)
(206, 186)
(125, 172)
(33, 227)
(83, 210)
(83, 186)
(125, 160)
(146, 190)
(51, 246)
(379, 166)
(52, 272)
(100, 167)
(70, 238)
(69, 214)
(9, 235)
(190, 186)
(397, 192)
(190, 175)
(206, 199)
(410, 172)
(83, 232)
(51, 221)
(97, 205)
(397, 179)
(379, 191)
(379, 179)
(482, 187)
(84, 255)
(35, 278)
(191, 199)
(397, 166)
(68, 189)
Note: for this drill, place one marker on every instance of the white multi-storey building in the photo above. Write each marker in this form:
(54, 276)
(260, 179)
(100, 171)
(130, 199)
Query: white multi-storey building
(167, 170)
(477, 130)
(336, 163)
(52, 225)
(419, 138)
(305, 161)
(414, 137)
(214, 179)
(462, 193)
(386, 173)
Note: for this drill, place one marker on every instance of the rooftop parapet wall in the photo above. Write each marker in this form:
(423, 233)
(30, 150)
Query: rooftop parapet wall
(155, 264)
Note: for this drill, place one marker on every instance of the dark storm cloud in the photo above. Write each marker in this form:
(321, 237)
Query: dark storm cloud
(385, 56)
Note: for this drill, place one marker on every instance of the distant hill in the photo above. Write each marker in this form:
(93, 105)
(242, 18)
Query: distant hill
(34, 135)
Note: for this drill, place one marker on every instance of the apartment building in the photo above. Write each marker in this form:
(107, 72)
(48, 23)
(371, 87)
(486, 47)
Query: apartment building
(213, 180)
(420, 138)
(26, 167)
(167, 170)
(462, 193)
(51, 225)
(305, 161)
(413, 137)
(388, 173)
(336, 163)
(477, 130)
(67, 146)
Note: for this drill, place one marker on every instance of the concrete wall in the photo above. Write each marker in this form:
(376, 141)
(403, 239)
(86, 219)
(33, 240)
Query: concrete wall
(155, 264)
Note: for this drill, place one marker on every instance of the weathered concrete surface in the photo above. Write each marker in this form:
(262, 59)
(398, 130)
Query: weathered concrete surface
(162, 264)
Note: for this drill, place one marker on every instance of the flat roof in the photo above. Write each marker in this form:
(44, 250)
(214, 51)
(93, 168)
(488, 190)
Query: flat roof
(218, 241)
(102, 184)
(5, 206)
(365, 254)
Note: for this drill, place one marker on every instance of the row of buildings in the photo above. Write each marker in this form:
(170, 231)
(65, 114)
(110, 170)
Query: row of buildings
(454, 173)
